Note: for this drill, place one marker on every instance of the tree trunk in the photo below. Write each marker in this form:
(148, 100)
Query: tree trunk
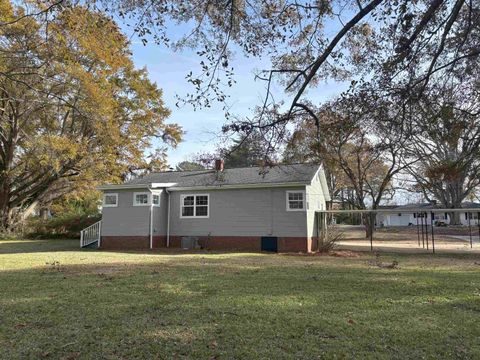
(369, 225)
(4, 206)
(455, 218)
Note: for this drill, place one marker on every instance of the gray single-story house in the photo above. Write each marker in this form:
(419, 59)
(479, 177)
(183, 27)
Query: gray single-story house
(249, 209)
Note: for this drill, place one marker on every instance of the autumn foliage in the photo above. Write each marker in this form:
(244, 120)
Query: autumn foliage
(74, 111)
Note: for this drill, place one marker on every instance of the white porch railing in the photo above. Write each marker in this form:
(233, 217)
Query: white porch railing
(91, 234)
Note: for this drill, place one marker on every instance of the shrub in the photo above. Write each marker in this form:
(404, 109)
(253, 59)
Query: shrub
(329, 243)
(65, 226)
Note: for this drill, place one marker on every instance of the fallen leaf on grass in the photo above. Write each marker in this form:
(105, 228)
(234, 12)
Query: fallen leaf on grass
(72, 356)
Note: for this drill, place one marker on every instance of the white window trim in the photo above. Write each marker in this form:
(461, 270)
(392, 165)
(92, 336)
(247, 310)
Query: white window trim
(295, 192)
(149, 198)
(110, 205)
(159, 199)
(183, 196)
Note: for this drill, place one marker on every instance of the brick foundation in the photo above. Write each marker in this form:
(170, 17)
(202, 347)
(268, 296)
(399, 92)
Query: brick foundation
(131, 242)
(232, 243)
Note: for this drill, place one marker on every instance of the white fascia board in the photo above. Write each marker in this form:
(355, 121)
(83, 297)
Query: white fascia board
(172, 187)
(323, 182)
(123, 186)
(239, 186)
(135, 186)
(162, 185)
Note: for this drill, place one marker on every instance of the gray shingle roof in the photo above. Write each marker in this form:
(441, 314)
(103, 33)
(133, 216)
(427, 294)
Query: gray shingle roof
(297, 173)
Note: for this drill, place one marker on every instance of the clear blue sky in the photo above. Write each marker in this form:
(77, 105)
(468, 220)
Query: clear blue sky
(168, 69)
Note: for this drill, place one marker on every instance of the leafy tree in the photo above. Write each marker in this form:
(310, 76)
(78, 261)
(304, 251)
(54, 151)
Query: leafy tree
(73, 109)
(409, 42)
(447, 138)
(358, 144)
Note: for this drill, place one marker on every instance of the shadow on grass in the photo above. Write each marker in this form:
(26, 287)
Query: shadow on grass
(245, 307)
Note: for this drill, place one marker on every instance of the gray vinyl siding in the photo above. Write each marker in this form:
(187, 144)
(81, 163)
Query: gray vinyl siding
(160, 215)
(125, 219)
(241, 212)
(232, 212)
(316, 201)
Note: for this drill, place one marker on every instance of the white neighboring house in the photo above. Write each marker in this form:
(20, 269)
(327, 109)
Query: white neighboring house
(405, 216)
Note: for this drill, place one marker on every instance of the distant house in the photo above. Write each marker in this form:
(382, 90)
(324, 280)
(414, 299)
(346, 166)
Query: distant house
(248, 209)
(405, 215)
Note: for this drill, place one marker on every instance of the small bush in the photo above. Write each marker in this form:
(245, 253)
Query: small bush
(329, 243)
(65, 226)
(8, 235)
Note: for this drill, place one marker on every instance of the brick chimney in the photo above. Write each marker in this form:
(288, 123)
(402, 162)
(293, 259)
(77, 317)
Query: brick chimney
(219, 165)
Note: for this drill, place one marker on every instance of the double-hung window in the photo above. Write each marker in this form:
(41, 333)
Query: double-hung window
(194, 206)
(110, 200)
(296, 201)
(146, 199)
(141, 199)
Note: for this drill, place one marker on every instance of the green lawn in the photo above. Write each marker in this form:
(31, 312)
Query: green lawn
(60, 302)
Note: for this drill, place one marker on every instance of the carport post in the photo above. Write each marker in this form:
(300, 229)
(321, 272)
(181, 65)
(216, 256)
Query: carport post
(426, 228)
(433, 237)
(423, 236)
(418, 230)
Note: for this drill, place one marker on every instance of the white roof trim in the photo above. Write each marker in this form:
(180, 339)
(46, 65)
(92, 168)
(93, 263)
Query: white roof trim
(239, 186)
(162, 185)
(122, 186)
(323, 182)
(135, 186)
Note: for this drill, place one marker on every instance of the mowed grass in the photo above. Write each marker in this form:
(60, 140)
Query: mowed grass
(60, 302)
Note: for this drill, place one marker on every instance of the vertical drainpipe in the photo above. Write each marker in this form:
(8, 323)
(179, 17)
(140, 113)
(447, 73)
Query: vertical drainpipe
(151, 219)
(168, 218)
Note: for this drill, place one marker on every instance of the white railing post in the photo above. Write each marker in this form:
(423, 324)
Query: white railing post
(91, 234)
(99, 232)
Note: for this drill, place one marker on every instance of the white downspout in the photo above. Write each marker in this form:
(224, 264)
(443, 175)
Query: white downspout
(151, 226)
(151, 219)
(168, 219)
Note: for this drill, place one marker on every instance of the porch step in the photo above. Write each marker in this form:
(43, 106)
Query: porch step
(92, 245)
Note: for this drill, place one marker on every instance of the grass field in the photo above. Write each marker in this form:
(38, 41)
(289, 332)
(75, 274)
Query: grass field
(58, 302)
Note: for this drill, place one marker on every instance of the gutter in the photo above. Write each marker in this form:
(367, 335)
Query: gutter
(135, 186)
(173, 187)
(239, 186)
(123, 186)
